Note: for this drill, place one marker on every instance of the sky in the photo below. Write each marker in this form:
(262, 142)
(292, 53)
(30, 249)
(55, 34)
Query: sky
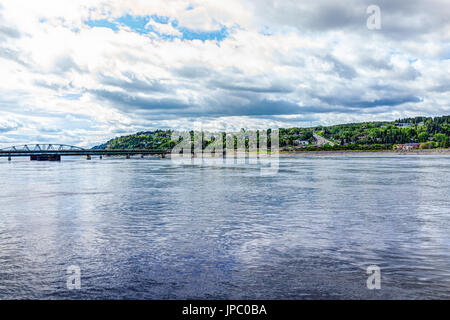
(82, 72)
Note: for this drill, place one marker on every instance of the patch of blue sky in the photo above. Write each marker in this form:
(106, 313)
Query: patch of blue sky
(218, 35)
(189, 34)
(138, 24)
(266, 31)
(102, 23)
(72, 96)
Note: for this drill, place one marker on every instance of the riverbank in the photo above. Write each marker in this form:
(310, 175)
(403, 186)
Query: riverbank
(374, 152)
(341, 153)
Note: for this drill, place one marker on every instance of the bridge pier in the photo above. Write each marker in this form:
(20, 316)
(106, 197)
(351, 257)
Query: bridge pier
(88, 157)
(128, 156)
(45, 157)
(9, 158)
(101, 157)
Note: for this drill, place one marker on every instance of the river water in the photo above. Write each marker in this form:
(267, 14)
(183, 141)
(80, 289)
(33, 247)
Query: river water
(155, 229)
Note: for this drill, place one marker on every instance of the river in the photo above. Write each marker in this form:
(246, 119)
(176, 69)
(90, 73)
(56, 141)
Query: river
(154, 229)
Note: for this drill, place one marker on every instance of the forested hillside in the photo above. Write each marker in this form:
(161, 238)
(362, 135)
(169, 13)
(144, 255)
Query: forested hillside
(429, 132)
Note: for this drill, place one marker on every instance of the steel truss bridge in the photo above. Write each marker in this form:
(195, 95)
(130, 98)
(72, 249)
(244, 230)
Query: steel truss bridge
(55, 151)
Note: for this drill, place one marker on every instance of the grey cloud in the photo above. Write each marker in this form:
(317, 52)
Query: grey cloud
(343, 70)
(364, 104)
(319, 15)
(241, 95)
(256, 108)
(236, 82)
(213, 106)
(400, 19)
(273, 88)
(50, 85)
(7, 126)
(12, 55)
(375, 63)
(194, 72)
(335, 16)
(414, 18)
(132, 102)
(9, 32)
(50, 130)
(441, 88)
(119, 131)
(133, 83)
(65, 64)
(409, 74)
(218, 106)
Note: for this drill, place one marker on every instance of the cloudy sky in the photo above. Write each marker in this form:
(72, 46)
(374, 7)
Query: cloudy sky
(81, 72)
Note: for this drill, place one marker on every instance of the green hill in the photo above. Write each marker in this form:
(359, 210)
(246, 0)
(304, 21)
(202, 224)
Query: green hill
(429, 132)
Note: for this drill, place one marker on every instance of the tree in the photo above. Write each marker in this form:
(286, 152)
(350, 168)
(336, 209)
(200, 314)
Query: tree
(440, 138)
(423, 136)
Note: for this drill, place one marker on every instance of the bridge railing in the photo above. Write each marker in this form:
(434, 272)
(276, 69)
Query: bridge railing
(41, 147)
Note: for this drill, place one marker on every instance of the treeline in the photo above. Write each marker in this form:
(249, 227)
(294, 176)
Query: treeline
(164, 140)
(351, 146)
(434, 131)
(158, 139)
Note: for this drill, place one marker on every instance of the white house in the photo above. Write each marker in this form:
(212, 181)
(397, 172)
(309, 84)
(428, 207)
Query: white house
(299, 142)
(404, 125)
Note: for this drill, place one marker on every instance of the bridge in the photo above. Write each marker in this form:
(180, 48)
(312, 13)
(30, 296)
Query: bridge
(53, 152)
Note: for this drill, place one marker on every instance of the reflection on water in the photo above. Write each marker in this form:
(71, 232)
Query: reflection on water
(152, 229)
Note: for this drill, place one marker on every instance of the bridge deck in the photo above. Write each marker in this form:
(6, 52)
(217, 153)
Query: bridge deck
(91, 152)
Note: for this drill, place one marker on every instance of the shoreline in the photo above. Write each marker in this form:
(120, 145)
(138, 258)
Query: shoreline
(338, 153)
(368, 152)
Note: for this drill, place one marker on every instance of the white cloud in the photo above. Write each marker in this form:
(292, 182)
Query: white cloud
(198, 19)
(162, 28)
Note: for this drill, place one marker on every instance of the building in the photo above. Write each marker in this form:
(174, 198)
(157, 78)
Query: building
(404, 125)
(408, 146)
(301, 143)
